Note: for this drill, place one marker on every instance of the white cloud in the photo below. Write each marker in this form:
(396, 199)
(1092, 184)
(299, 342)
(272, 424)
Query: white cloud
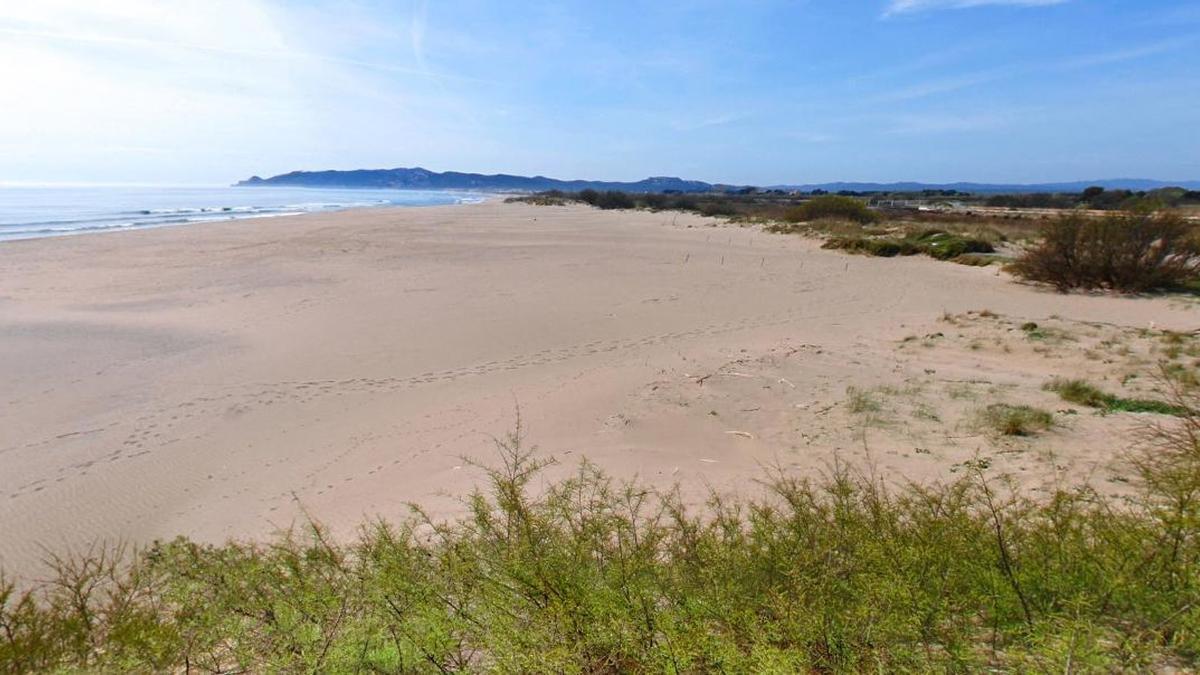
(204, 91)
(911, 6)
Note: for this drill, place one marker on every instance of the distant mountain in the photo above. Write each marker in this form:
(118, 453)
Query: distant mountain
(1016, 188)
(425, 179)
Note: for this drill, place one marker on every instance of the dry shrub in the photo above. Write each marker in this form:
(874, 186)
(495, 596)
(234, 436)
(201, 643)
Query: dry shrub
(1131, 252)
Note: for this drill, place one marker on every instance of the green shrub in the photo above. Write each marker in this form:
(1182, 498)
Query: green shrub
(832, 207)
(591, 575)
(945, 246)
(936, 244)
(881, 246)
(1130, 252)
(884, 248)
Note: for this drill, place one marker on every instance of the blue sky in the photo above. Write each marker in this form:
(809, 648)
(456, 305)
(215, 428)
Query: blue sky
(756, 91)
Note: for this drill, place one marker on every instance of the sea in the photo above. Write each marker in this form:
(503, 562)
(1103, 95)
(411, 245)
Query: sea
(28, 212)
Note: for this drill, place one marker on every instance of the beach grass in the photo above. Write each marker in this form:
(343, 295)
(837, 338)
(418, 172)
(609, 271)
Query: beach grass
(1084, 393)
(1015, 420)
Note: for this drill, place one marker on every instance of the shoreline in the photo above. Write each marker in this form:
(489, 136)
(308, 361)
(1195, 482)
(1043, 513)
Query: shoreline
(208, 381)
(98, 210)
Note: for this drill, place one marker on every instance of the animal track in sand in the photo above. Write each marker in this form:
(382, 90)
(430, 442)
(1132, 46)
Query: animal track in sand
(241, 400)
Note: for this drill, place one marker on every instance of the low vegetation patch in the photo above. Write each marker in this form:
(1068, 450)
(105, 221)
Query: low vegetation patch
(591, 575)
(861, 402)
(1016, 420)
(832, 207)
(934, 243)
(1130, 252)
(1083, 393)
(974, 260)
(609, 199)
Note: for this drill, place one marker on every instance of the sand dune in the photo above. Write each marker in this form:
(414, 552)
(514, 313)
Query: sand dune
(207, 380)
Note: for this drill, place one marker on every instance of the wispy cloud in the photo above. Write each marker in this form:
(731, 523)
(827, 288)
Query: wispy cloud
(1127, 54)
(708, 122)
(273, 54)
(1173, 17)
(940, 123)
(911, 6)
(924, 61)
(810, 137)
(939, 86)
(417, 27)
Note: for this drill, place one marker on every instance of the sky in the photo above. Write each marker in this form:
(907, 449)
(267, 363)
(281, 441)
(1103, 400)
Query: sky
(758, 92)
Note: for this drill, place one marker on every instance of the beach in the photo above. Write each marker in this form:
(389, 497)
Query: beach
(225, 379)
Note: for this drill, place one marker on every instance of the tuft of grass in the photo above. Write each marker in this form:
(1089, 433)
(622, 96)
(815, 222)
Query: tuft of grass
(1182, 373)
(1016, 420)
(1041, 333)
(1086, 394)
(861, 402)
(925, 411)
(1080, 392)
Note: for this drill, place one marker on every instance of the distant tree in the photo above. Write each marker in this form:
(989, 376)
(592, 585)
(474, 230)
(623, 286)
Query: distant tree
(1091, 193)
(655, 201)
(589, 196)
(1112, 199)
(613, 199)
(1040, 200)
(684, 203)
(718, 208)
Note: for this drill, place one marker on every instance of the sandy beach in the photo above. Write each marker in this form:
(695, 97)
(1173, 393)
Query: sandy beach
(209, 380)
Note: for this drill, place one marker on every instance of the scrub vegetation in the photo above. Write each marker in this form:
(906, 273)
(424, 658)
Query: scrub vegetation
(1132, 252)
(1111, 240)
(593, 575)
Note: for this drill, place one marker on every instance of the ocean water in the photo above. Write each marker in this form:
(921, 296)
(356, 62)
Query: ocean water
(30, 212)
